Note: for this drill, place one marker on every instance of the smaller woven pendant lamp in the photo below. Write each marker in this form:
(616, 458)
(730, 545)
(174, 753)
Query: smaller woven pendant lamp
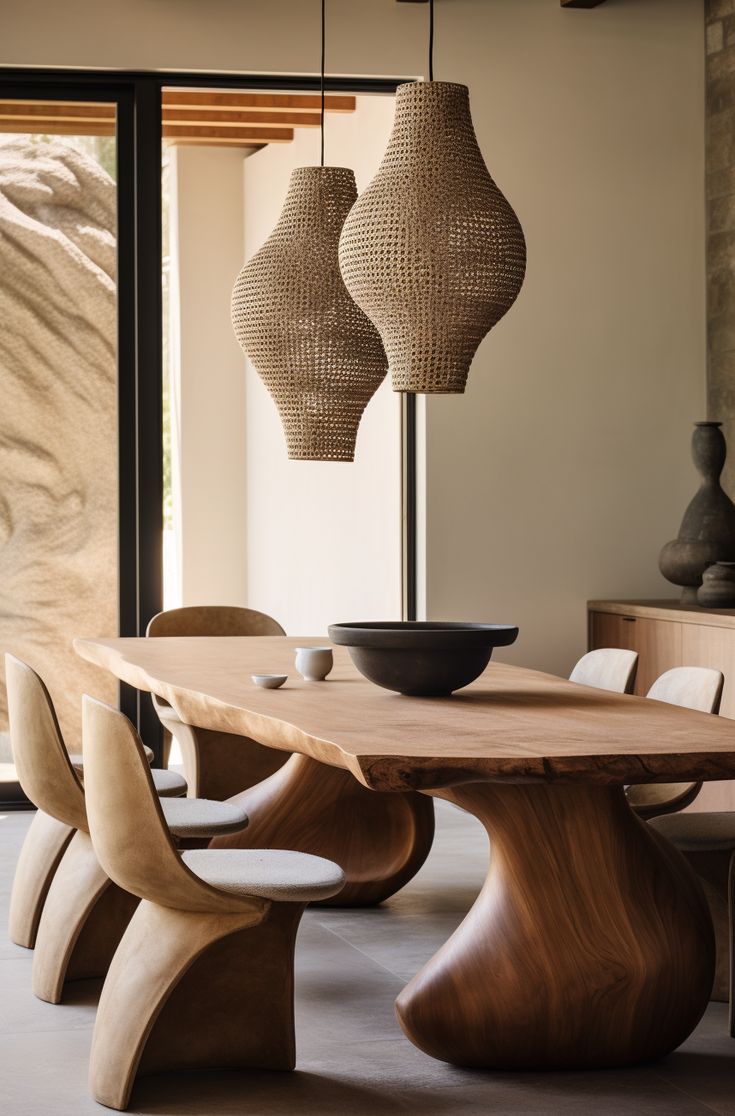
(432, 251)
(318, 354)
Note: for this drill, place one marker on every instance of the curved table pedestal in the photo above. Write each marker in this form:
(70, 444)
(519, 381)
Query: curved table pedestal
(218, 764)
(379, 840)
(589, 945)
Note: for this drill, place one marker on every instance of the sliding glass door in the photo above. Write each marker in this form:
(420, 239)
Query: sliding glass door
(59, 382)
(82, 323)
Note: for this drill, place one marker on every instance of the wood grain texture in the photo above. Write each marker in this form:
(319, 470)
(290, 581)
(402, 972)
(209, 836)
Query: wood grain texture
(590, 944)
(672, 610)
(511, 724)
(379, 840)
(713, 869)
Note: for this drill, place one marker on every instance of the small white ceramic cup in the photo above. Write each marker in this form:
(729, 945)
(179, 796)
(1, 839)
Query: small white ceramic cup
(314, 663)
(269, 681)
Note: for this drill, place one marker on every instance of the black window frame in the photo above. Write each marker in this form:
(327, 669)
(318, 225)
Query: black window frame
(137, 95)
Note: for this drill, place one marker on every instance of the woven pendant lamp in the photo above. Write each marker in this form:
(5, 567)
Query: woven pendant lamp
(315, 350)
(432, 251)
(318, 354)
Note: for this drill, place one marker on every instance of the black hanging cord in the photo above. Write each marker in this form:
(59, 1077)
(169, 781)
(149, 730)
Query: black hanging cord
(431, 40)
(321, 114)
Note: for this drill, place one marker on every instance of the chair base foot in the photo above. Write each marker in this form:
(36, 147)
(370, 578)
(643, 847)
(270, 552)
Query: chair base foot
(83, 920)
(43, 848)
(194, 991)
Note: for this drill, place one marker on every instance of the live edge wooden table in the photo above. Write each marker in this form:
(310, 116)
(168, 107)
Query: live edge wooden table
(590, 943)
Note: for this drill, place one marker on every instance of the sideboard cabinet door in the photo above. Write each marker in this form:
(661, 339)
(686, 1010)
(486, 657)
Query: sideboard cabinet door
(713, 647)
(658, 643)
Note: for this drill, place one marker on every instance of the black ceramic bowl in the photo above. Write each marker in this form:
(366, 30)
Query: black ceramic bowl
(421, 658)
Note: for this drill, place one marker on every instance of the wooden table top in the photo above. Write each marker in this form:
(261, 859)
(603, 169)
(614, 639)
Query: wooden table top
(511, 724)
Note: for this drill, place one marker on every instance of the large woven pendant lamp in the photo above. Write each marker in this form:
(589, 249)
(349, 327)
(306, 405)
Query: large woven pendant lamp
(316, 351)
(432, 251)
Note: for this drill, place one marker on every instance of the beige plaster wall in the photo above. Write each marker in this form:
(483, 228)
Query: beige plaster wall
(208, 391)
(566, 466)
(323, 538)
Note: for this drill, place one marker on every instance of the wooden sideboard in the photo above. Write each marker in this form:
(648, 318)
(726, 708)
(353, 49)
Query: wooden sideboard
(667, 634)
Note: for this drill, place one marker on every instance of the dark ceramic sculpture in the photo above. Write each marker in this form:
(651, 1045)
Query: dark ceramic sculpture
(707, 532)
(718, 586)
(421, 658)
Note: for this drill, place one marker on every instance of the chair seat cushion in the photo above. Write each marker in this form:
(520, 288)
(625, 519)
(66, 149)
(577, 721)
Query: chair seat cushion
(77, 759)
(269, 873)
(706, 832)
(168, 784)
(202, 817)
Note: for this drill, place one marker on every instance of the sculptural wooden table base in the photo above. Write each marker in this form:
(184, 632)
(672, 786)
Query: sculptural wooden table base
(590, 943)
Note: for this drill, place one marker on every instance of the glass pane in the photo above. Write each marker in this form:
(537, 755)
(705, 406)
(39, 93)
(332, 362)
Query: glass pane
(307, 542)
(58, 383)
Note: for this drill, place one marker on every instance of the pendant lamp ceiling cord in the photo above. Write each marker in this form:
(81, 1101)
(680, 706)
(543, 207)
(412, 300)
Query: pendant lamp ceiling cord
(321, 113)
(431, 40)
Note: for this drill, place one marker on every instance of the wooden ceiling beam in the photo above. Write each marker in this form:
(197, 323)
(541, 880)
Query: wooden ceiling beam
(217, 141)
(211, 99)
(228, 118)
(55, 110)
(245, 137)
(56, 127)
(216, 117)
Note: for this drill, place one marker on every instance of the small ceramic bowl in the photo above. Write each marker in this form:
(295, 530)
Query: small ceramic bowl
(269, 681)
(314, 663)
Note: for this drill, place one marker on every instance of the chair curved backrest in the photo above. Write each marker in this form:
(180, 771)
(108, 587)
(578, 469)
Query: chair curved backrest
(692, 688)
(129, 834)
(213, 620)
(41, 760)
(607, 668)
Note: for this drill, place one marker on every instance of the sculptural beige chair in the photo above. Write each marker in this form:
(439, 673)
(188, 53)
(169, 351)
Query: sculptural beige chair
(692, 688)
(62, 902)
(35, 738)
(216, 764)
(204, 973)
(607, 668)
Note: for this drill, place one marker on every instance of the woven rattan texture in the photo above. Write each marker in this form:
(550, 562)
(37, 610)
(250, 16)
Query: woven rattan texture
(316, 351)
(432, 251)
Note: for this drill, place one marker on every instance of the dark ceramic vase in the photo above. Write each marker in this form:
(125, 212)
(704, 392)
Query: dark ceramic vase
(707, 532)
(718, 586)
